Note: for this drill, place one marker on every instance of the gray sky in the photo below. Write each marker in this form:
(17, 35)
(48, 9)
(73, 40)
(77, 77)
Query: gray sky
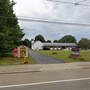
(53, 11)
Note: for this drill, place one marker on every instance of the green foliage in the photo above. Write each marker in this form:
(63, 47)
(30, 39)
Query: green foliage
(10, 32)
(56, 41)
(48, 41)
(39, 38)
(89, 44)
(9, 60)
(68, 39)
(84, 43)
(26, 42)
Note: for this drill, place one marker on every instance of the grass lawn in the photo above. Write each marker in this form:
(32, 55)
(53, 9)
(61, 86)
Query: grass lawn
(9, 60)
(64, 55)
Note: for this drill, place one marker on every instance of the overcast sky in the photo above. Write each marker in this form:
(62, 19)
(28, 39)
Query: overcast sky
(47, 9)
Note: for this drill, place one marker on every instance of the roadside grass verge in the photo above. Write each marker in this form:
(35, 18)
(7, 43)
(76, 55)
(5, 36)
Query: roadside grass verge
(10, 60)
(64, 55)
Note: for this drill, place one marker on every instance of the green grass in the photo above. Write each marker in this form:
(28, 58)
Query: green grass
(64, 55)
(9, 60)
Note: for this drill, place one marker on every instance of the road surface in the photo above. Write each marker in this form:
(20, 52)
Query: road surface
(43, 59)
(78, 79)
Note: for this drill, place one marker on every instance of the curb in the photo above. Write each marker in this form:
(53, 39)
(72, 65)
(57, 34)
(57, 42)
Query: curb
(19, 69)
(43, 67)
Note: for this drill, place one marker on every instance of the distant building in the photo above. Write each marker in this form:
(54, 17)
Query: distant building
(37, 45)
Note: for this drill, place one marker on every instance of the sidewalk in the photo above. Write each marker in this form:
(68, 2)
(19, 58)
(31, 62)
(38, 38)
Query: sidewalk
(43, 67)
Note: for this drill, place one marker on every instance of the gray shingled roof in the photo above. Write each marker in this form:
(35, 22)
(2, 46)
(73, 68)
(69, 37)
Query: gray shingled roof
(59, 44)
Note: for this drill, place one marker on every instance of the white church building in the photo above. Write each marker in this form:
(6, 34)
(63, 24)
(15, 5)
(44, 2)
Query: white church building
(38, 45)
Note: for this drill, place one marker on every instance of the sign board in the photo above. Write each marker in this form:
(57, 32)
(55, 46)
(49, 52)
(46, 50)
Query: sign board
(76, 51)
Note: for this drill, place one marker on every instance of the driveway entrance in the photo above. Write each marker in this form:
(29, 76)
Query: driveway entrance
(43, 59)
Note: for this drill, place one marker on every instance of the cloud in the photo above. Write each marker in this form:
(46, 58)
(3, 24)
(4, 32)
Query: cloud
(53, 11)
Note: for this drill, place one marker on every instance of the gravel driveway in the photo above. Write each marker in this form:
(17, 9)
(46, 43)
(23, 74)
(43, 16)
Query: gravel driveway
(43, 59)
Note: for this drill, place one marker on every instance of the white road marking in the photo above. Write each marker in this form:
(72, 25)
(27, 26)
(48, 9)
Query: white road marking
(48, 82)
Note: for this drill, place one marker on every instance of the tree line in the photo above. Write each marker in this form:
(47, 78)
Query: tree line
(84, 43)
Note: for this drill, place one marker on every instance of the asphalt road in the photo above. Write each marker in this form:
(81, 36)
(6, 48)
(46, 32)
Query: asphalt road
(78, 79)
(43, 59)
(77, 85)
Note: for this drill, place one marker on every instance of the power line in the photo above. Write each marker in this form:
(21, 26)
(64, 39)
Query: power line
(74, 3)
(82, 1)
(79, 3)
(55, 22)
(49, 21)
(42, 18)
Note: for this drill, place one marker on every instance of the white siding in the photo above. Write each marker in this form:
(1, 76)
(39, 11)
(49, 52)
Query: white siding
(37, 45)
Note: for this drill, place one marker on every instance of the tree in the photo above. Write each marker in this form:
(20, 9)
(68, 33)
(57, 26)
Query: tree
(39, 38)
(88, 44)
(48, 41)
(26, 42)
(84, 43)
(56, 41)
(68, 39)
(10, 32)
